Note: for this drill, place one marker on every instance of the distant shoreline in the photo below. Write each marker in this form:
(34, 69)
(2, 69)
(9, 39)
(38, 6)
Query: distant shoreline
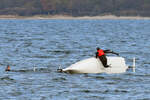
(70, 17)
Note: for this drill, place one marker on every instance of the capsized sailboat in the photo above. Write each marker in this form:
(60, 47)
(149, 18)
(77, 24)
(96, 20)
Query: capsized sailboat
(94, 65)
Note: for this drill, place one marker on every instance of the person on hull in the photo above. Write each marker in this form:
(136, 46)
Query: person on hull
(101, 54)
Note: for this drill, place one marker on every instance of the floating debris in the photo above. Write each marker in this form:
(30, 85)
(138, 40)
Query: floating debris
(7, 68)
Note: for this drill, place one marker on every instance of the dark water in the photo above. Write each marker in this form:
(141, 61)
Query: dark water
(47, 44)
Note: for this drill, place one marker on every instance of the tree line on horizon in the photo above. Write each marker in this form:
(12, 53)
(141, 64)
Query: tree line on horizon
(75, 7)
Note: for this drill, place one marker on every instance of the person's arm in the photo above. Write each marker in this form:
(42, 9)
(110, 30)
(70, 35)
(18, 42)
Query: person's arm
(96, 54)
(109, 51)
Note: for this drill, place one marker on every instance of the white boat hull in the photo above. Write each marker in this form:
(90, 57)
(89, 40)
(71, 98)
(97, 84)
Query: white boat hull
(94, 65)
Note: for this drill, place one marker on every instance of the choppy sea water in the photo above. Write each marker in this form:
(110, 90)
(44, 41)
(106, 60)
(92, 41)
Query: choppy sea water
(47, 44)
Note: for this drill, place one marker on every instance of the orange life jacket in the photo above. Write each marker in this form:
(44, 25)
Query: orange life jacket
(100, 52)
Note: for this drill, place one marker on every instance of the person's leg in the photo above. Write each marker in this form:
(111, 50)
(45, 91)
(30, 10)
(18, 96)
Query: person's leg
(104, 60)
